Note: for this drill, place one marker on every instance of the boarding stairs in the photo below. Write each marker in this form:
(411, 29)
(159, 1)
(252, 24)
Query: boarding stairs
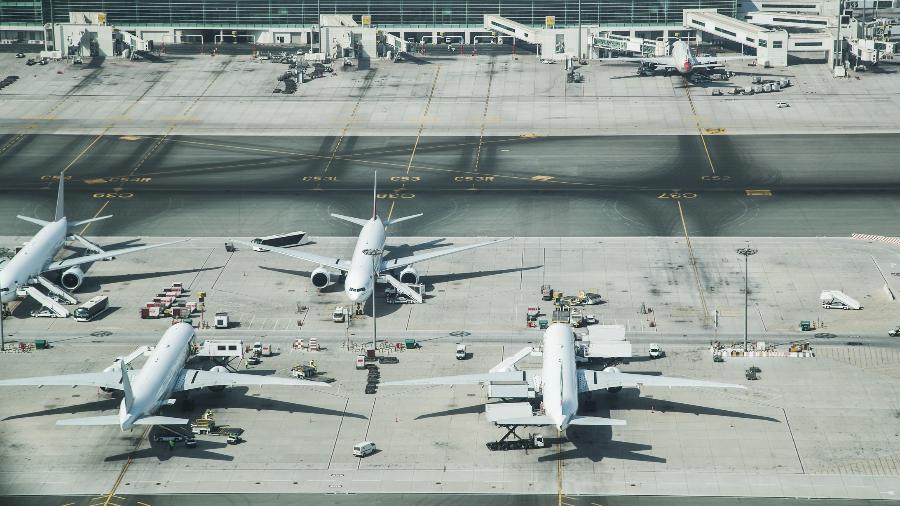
(57, 290)
(403, 288)
(509, 363)
(87, 244)
(56, 308)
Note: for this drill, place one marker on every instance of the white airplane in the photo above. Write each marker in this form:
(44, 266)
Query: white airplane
(35, 258)
(681, 59)
(362, 270)
(150, 388)
(561, 382)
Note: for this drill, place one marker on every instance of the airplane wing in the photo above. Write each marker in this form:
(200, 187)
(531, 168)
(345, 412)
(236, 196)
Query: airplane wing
(709, 61)
(589, 381)
(191, 379)
(110, 379)
(72, 262)
(659, 62)
(397, 263)
(465, 379)
(337, 263)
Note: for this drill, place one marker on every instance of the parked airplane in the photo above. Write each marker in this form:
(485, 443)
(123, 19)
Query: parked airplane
(362, 270)
(35, 258)
(150, 388)
(680, 59)
(561, 382)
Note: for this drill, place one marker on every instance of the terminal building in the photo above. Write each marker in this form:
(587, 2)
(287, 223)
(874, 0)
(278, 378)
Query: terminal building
(868, 30)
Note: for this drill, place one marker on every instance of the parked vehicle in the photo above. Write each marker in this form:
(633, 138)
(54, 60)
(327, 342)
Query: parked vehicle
(461, 353)
(90, 309)
(285, 240)
(363, 449)
(656, 351)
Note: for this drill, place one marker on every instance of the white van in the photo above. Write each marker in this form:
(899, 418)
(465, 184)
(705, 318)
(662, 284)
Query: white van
(363, 449)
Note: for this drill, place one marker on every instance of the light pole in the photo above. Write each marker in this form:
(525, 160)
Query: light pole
(374, 253)
(746, 252)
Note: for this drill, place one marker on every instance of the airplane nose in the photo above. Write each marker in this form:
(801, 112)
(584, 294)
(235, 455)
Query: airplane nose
(353, 296)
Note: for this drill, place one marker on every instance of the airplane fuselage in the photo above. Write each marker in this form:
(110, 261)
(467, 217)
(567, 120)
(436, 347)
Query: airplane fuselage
(359, 284)
(559, 377)
(153, 385)
(31, 260)
(682, 57)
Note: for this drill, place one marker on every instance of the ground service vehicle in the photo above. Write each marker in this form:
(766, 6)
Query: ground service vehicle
(87, 311)
(279, 240)
(363, 449)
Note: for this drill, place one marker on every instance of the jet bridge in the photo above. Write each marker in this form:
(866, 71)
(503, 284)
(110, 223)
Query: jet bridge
(771, 45)
(509, 27)
(621, 43)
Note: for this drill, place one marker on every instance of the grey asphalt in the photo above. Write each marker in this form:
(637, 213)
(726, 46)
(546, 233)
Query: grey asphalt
(819, 185)
(436, 500)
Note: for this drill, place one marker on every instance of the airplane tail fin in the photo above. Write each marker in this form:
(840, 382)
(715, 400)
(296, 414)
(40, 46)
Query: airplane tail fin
(375, 196)
(126, 385)
(595, 420)
(60, 207)
(398, 220)
(91, 420)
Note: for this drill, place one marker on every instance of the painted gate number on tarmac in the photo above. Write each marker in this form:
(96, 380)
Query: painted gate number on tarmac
(677, 195)
(120, 195)
(391, 196)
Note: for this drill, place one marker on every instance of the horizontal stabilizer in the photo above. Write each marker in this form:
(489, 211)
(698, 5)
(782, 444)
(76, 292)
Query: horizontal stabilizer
(36, 221)
(91, 420)
(161, 420)
(528, 420)
(85, 222)
(594, 420)
(359, 221)
(398, 220)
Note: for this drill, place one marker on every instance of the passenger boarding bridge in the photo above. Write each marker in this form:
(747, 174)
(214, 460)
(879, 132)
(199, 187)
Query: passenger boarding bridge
(771, 45)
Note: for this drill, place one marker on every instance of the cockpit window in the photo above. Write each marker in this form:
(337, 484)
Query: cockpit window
(357, 289)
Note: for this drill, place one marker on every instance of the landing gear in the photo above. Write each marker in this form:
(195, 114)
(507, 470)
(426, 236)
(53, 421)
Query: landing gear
(532, 442)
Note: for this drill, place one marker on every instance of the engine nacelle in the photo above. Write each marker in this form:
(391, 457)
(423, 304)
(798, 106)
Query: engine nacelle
(218, 368)
(409, 276)
(613, 390)
(321, 277)
(72, 278)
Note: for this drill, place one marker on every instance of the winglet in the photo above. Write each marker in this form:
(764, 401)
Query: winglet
(60, 208)
(126, 385)
(375, 196)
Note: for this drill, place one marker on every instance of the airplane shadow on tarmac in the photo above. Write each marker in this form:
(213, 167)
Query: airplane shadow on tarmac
(596, 443)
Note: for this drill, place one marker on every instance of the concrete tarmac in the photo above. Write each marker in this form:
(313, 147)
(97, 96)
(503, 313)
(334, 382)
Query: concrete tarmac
(748, 185)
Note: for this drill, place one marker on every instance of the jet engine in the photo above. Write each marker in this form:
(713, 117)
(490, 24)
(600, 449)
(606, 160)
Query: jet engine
(409, 276)
(218, 368)
(321, 277)
(613, 390)
(72, 278)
